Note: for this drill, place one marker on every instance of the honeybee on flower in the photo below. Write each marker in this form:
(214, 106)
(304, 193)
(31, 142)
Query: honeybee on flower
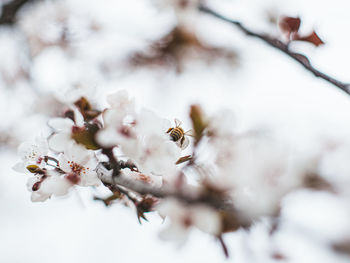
(179, 136)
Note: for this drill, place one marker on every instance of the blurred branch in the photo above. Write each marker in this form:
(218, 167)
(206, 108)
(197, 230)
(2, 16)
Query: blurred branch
(283, 47)
(117, 189)
(190, 197)
(9, 11)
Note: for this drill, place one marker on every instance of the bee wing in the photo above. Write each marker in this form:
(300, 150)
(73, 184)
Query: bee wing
(183, 143)
(190, 133)
(177, 122)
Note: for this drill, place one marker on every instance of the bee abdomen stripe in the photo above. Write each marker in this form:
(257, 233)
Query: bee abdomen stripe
(176, 134)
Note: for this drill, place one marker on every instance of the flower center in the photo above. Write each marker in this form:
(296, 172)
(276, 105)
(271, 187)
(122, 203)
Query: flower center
(77, 168)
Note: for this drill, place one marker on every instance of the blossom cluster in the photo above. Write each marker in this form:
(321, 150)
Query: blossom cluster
(74, 165)
(139, 157)
(140, 143)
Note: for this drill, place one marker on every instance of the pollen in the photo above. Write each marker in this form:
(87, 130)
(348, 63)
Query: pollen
(76, 168)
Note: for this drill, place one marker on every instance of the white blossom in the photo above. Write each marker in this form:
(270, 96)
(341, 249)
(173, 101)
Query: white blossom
(79, 164)
(255, 169)
(121, 101)
(157, 153)
(53, 184)
(141, 136)
(32, 153)
(260, 172)
(115, 129)
(63, 128)
(183, 217)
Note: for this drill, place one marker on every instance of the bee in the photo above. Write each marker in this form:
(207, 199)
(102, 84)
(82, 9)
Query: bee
(178, 135)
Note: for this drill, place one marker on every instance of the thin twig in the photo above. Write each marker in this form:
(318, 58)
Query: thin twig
(115, 188)
(224, 247)
(283, 47)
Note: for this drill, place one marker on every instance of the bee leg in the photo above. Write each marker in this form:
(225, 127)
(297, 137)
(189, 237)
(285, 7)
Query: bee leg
(182, 140)
(170, 129)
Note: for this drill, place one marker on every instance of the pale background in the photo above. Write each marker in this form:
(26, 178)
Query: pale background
(268, 90)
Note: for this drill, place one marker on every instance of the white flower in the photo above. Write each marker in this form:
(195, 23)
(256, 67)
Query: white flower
(63, 128)
(121, 101)
(140, 136)
(116, 129)
(32, 153)
(183, 217)
(148, 123)
(159, 156)
(260, 171)
(44, 186)
(154, 152)
(79, 164)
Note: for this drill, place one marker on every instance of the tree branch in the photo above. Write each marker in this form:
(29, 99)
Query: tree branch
(113, 162)
(190, 197)
(283, 47)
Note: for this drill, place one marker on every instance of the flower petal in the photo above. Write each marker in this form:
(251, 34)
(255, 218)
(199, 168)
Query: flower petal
(61, 124)
(58, 141)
